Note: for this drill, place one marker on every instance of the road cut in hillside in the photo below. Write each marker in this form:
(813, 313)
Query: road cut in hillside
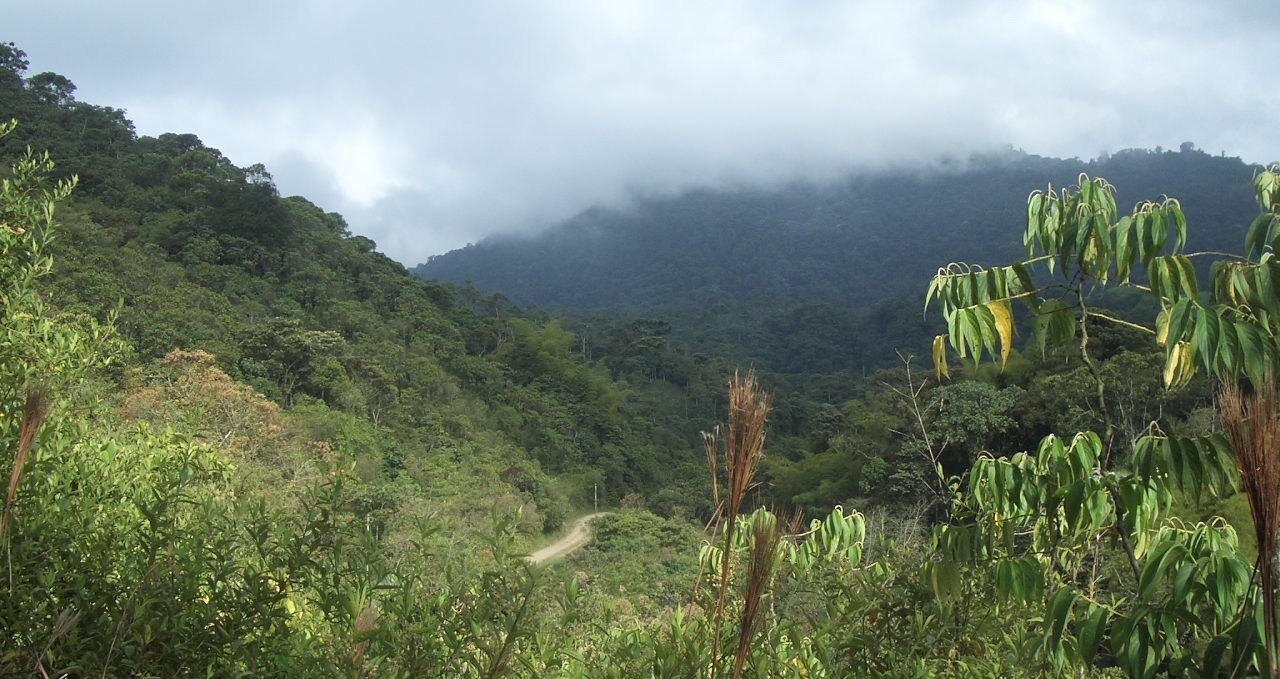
(578, 535)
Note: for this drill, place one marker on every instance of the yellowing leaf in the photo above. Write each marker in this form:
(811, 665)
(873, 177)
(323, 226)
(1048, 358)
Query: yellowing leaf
(1171, 364)
(1004, 327)
(940, 357)
(1162, 328)
(1180, 366)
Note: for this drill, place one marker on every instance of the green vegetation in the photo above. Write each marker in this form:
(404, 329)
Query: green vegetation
(1187, 602)
(186, 251)
(240, 442)
(852, 243)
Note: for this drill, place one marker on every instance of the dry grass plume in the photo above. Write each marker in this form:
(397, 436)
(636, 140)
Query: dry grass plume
(33, 413)
(744, 436)
(1252, 425)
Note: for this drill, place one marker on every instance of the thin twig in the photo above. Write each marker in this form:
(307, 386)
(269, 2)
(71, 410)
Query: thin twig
(1119, 321)
(934, 456)
(1214, 253)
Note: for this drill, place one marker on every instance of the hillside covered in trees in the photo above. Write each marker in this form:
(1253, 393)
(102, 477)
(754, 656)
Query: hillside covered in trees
(241, 442)
(184, 251)
(850, 243)
(819, 278)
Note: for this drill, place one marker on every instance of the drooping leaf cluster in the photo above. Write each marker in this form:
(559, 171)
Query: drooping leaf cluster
(1048, 523)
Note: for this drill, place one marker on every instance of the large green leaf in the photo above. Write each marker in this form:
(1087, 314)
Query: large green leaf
(1053, 325)
(1204, 338)
(1091, 632)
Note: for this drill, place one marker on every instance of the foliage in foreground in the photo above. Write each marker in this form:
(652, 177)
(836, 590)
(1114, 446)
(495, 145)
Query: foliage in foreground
(1081, 530)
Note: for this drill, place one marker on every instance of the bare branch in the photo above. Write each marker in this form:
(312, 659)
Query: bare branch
(1125, 323)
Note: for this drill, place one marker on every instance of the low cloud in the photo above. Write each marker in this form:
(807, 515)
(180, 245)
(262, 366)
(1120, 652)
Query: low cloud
(432, 126)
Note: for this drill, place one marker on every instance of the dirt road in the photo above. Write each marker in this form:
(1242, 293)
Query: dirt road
(578, 535)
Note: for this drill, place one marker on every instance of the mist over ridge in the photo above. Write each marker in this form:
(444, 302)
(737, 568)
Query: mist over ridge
(432, 125)
(851, 242)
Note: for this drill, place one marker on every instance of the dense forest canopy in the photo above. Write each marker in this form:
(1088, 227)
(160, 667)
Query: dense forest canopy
(818, 278)
(851, 243)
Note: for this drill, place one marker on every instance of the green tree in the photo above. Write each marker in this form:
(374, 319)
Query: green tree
(1186, 587)
(52, 88)
(969, 417)
(38, 348)
(294, 358)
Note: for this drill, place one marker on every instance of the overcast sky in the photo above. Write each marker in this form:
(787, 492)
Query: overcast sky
(430, 125)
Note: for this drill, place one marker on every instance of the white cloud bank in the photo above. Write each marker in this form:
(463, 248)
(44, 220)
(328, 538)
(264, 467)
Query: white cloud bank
(430, 125)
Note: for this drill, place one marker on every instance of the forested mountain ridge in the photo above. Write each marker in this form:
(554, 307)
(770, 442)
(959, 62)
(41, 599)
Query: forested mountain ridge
(851, 243)
(437, 403)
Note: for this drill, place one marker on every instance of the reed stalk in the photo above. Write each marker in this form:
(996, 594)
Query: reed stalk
(765, 538)
(744, 436)
(33, 414)
(1252, 425)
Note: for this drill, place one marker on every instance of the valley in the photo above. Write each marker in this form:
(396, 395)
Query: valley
(990, 417)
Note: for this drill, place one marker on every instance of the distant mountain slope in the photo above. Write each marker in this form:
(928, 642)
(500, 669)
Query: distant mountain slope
(442, 406)
(852, 243)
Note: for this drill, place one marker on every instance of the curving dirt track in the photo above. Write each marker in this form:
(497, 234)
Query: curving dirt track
(578, 535)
